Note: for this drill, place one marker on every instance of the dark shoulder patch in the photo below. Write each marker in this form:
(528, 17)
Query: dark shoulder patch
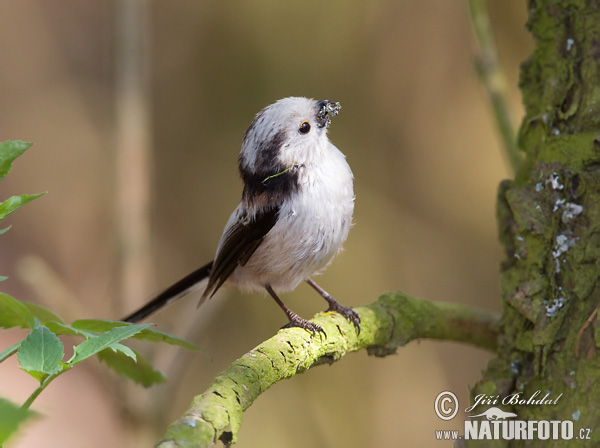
(269, 177)
(267, 157)
(270, 187)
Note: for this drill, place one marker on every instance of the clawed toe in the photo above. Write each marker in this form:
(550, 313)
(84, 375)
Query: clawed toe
(348, 313)
(334, 305)
(297, 321)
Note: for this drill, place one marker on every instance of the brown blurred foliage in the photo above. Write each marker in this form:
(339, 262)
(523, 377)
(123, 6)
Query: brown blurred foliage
(417, 130)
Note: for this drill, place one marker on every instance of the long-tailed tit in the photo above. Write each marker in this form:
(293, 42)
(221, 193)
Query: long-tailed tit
(294, 216)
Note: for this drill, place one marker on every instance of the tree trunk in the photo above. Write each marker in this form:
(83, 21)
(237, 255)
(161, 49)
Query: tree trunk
(549, 226)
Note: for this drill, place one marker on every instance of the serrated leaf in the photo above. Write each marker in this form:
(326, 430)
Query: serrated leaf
(9, 151)
(13, 203)
(99, 325)
(11, 416)
(142, 372)
(7, 353)
(118, 347)
(103, 341)
(150, 334)
(13, 313)
(43, 314)
(41, 353)
(61, 328)
(153, 335)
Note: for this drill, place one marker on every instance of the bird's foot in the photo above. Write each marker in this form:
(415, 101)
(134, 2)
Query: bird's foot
(297, 321)
(348, 313)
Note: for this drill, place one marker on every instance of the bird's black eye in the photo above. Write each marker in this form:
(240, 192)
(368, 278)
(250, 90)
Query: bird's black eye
(304, 127)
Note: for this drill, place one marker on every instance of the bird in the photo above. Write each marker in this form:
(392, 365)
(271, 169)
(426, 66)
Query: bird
(294, 215)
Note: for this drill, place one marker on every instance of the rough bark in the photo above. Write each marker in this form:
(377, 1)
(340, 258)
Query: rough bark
(549, 226)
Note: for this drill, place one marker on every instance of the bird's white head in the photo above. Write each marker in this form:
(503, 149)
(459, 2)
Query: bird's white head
(291, 131)
(285, 137)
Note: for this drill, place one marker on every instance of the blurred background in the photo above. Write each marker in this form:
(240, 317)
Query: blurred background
(417, 130)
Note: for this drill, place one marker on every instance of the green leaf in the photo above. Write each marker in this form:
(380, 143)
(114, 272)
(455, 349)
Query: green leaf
(120, 348)
(5, 354)
(13, 203)
(5, 230)
(2, 278)
(149, 334)
(103, 341)
(153, 335)
(13, 313)
(9, 151)
(99, 325)
(142, 372)
(41, 353)
(43, 314)
(11, 416)
(60, 328)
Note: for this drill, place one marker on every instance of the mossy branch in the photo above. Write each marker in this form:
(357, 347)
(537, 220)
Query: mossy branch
(392, 321)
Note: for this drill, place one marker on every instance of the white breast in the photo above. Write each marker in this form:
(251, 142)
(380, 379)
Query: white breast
(312, 227)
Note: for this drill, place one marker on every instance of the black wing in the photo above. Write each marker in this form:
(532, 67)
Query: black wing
(241, 241)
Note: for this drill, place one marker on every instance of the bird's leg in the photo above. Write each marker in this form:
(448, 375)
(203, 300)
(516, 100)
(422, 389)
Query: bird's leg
(334, 305)
(295, 320)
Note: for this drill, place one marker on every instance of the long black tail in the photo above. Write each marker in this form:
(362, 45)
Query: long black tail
(171, 294)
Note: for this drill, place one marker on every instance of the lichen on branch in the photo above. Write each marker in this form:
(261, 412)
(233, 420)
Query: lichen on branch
(391, 322)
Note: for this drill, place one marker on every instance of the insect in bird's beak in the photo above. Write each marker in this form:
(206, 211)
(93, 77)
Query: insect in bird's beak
(327, 109)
